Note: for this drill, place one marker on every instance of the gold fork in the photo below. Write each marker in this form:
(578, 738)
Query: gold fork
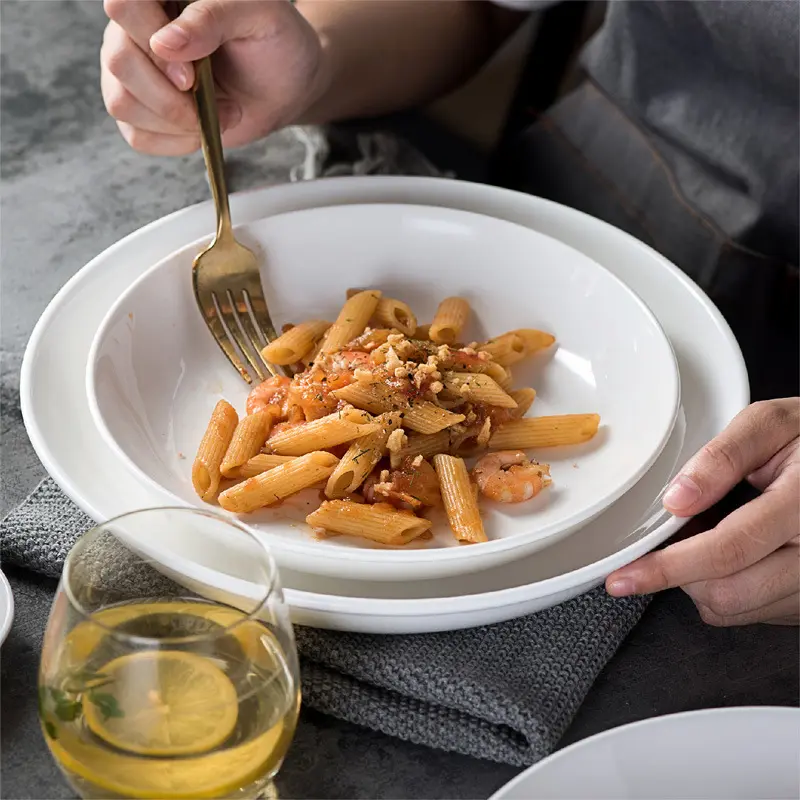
(226, 276)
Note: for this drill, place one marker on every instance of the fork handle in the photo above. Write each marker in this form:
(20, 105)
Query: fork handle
(205, 98)
(206, 102)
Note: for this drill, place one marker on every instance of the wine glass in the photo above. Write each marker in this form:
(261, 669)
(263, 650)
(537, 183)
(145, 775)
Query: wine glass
(167, 677)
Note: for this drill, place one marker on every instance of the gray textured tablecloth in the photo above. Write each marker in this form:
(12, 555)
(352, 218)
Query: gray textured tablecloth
(504, 692)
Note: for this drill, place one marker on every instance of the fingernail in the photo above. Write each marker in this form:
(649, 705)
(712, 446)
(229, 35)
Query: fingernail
(173, 37)
(178, 74)
(229, 114)
(682, 493)
(621, 587)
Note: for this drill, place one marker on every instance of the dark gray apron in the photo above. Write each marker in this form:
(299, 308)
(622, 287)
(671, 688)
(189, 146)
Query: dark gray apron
(587, 153)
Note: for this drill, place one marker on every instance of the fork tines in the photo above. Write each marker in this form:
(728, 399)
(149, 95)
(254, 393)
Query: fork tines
(241, 332)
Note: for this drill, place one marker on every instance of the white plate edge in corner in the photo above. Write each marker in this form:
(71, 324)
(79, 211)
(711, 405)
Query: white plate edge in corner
(6, 607)
(590, 742)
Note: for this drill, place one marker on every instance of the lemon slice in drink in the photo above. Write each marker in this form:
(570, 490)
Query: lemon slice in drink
(163, 703)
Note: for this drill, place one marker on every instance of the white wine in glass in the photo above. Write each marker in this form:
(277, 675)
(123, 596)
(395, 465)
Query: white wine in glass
(148, 688)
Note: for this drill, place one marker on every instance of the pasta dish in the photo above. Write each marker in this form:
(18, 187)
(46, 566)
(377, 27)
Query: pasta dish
(384, 413)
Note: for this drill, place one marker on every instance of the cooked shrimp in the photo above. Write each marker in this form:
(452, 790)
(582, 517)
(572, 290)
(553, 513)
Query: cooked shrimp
(509, 476)
(281, 427)
(270, 396)
(312, 389)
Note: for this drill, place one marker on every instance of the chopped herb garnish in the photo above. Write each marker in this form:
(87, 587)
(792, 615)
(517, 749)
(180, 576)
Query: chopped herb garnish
(107, 704)
(68, 710)
(363, 452)
(51, 729)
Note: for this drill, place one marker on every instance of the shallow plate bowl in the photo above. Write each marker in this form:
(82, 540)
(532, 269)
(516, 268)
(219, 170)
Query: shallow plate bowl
(154, 372)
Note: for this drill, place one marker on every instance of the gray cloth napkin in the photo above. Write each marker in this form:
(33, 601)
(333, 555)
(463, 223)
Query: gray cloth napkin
(504, 692)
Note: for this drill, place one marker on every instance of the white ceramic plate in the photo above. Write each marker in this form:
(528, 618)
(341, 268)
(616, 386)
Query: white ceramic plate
(6, 607)
(713, 380)
(750, 753)
(154, 372)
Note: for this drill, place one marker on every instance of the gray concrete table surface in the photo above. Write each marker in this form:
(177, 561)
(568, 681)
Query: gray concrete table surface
(70, 188)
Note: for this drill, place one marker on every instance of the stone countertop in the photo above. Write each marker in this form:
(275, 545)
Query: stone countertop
(70, 188)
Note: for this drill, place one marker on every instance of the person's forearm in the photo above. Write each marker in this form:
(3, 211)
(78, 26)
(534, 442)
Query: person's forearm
(386, 55)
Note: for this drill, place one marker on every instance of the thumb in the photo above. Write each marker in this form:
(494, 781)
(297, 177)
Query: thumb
(205, 25)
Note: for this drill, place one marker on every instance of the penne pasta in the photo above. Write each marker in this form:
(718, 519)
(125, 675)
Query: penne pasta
(505, 380)
(534, 340)
(426, 417)
(478, 388)
(321, 434)
(524, 399)
(296, 343)
(374, 338)
(423, 332)
(422, 444)
(373, 397)
(382, 391)
(460, 501)
(506, 349)
(449, 320)
(361, 457)
(247, 441)
(418, 415)
(531, 432)
(391, 313)
(380, 522)
(258, 464)
(499, 374)
(396, 314)
(207, 462)
(352, 319)
(276, 484)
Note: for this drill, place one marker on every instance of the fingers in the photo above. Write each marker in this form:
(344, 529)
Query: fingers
(158, 144)
(741, 539)
(776, 466)
(140, 19)
(745, 593)
(137, 92)
(205, 25)
(782, 612)
(753, 438)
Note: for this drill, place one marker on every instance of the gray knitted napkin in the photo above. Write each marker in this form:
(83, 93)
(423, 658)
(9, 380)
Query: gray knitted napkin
(504, 692)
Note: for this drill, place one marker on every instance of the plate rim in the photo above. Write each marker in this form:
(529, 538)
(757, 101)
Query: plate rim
(409, 186)
(6, 599)
(388, 558)
(637, 725)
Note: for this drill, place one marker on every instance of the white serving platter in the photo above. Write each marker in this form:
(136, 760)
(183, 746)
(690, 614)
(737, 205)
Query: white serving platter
(713, 379)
